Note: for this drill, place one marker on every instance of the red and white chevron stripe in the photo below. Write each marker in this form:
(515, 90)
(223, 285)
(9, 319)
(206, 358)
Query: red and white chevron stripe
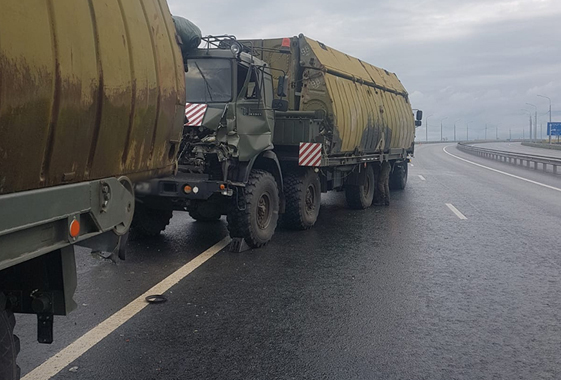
(195, 113)
(309, 154)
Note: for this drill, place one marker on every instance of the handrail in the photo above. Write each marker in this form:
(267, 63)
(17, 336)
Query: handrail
(512, 157)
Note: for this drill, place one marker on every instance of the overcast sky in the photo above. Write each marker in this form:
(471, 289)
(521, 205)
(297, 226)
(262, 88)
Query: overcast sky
(479, 61)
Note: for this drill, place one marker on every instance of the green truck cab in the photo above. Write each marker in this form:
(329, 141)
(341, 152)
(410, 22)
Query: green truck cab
(233, 92)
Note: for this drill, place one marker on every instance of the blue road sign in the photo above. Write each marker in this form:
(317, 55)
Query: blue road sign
(554, 129)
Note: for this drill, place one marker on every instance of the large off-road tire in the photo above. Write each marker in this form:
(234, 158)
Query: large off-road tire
(398, 177)
(201, 215)
(302, 192)
(149, 221)
(9, 343)
(361, 196)
(255, 216)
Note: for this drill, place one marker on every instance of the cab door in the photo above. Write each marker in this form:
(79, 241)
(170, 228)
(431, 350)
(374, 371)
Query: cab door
(254, 115)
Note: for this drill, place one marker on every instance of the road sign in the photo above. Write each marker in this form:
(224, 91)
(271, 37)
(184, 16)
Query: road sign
(554, 129)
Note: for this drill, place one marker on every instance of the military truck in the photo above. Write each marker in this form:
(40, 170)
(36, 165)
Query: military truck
(270, 125)
(92, 98)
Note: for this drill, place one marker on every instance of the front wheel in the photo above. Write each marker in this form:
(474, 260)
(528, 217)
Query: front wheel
(202, 214)
(149, 221)
(9, 343)
(254, 217)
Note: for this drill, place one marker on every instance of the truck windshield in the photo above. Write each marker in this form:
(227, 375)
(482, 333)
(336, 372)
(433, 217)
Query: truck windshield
(208, 80)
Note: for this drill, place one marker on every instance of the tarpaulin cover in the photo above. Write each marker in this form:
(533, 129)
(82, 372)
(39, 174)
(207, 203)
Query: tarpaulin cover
(190, 34)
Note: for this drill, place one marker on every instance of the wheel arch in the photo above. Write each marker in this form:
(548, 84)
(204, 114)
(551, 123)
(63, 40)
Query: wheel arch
(268, 161)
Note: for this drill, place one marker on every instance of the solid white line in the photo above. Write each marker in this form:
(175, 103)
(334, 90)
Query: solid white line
(76, 349)
(456, 211)
(501, 172)
(422, 178)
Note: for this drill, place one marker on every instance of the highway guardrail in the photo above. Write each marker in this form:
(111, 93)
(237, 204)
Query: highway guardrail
(522, 159)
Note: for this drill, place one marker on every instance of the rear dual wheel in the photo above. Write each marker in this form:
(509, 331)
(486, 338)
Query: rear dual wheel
(398, 177)
(361, 196)
(9, 343)
(302, 190)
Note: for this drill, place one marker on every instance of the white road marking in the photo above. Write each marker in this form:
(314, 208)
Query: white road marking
(501, 172)
(456, 211)
(76, 349)
(411, 164)
(422, 178)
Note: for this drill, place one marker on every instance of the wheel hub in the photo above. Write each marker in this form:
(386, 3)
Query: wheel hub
(310, 200)
(264, 211)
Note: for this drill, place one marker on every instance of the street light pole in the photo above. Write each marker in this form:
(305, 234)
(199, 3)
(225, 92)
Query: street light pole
(427, 128)
(542, 96)
(530, 115)
(455, 128)
(441, 120)
(535, 122)
(485, 131)
(467, 129)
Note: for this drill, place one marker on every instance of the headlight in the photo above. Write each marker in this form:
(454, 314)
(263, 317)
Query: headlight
(142, 187)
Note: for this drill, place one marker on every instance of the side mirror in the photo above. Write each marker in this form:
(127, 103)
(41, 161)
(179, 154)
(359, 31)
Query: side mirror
(280, 105)
(419, 115)
(418, 123)
(282, 86)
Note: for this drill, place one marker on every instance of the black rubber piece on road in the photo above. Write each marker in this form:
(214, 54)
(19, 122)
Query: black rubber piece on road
(302, 191)
(255, 216)
(204, 217)
(149, 221)
(361, 196)
(156, 298)
(398, 177)
(9, 343)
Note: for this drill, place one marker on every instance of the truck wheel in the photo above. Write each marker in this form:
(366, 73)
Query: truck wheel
(9, 343)
(302, 190)
(361, 196)
(205, 216)
(398, 178)
(255, 216)
(149, 221)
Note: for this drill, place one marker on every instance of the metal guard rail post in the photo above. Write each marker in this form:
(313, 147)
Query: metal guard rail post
(512, 157)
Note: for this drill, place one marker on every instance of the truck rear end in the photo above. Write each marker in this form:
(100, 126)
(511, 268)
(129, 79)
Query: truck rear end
(92, 99)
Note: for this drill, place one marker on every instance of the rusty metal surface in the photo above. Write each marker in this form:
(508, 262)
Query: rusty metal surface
(88, 89)
(368, 107)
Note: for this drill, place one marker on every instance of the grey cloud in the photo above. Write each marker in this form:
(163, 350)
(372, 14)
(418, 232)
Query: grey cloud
(475, 60)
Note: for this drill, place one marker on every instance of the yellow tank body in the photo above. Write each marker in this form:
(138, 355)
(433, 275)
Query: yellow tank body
(88, 90)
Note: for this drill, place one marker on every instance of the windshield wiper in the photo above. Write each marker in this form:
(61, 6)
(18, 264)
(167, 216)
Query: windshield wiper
(208, 88)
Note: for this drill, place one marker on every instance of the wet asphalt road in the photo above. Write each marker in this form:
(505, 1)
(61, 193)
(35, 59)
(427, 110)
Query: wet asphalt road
(405, 292)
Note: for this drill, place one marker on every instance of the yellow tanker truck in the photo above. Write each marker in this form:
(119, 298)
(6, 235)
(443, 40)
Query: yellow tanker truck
(270, 125)
(92, 98)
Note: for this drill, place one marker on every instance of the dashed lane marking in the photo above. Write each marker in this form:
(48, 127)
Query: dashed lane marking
(456, 211)
(79, 347)
(501, 172)
(422, 178)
